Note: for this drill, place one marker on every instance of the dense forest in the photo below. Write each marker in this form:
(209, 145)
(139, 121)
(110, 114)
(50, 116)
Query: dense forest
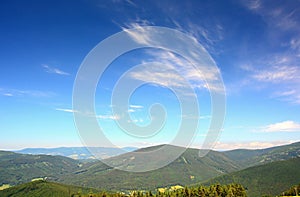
(293, 191)
(50, 189)
(216, 190)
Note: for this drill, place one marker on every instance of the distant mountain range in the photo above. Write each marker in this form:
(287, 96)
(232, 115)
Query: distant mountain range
(81, 153)
(255, 169)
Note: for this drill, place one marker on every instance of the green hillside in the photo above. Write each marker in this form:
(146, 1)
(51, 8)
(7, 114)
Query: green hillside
(293, 191)
(187, 169)
(50, 189)
(20, 168)
(45, 189)
(270, 179)
(247, 158)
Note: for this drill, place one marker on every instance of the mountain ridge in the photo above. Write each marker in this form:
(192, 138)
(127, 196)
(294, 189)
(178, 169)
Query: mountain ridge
(187, 169)
(80, 153)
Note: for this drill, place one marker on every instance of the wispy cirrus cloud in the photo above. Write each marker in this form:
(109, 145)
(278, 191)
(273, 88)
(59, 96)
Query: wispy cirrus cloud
(285, 126)
(176, 70)
(207, 36)
(278, 74)
(66, 110)
(283, 21)
(290, 95)
(11, 92)
(253, 5)
(277, 14)
(102, 117)
(53, 70)
(276, 68)
(282, 70)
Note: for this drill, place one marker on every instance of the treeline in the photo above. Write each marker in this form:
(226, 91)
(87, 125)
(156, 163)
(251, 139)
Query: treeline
(216, 190)
(293, 191)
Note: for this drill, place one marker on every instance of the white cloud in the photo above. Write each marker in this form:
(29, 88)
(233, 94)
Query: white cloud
(126, 1)
(289, 95)
(282, 70)
(285, 126)
(295, 43)
(134, 120)
(249, 145)
(136, 106)
(23, 93)
(280, 63)
(90, 114)
(278, 74)
(52, 70)
(178, 72)
(140, 35)
(253, 5)
(108, 117)
(7, 94)
(131, 110)
(208, 36)
(280, 15)
(196, 117)
(66, 110)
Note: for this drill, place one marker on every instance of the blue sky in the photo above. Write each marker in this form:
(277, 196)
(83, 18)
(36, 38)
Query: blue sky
(255, 44)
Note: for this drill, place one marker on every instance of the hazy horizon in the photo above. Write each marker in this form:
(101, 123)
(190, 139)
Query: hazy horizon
(237, 146)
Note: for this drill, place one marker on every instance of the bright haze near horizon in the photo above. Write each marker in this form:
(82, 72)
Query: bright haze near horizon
(255, 44)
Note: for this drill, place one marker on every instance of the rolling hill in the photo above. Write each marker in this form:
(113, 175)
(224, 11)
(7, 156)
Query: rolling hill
(20, 168)
(50, 189)
(247, 158)
(267, 179)
(45, 189)
(187, 169)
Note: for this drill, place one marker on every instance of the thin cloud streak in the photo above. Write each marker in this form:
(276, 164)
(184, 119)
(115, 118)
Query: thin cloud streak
(53, 70)
(108, 117)
(285, 126)
(25, 93)
(249, 145)
(136, 106)
(283, 30)
(102, 117)
(66, 110)
(282, 71)
(278, 74)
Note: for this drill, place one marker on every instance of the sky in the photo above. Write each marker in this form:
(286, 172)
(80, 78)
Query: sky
(254, 46)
